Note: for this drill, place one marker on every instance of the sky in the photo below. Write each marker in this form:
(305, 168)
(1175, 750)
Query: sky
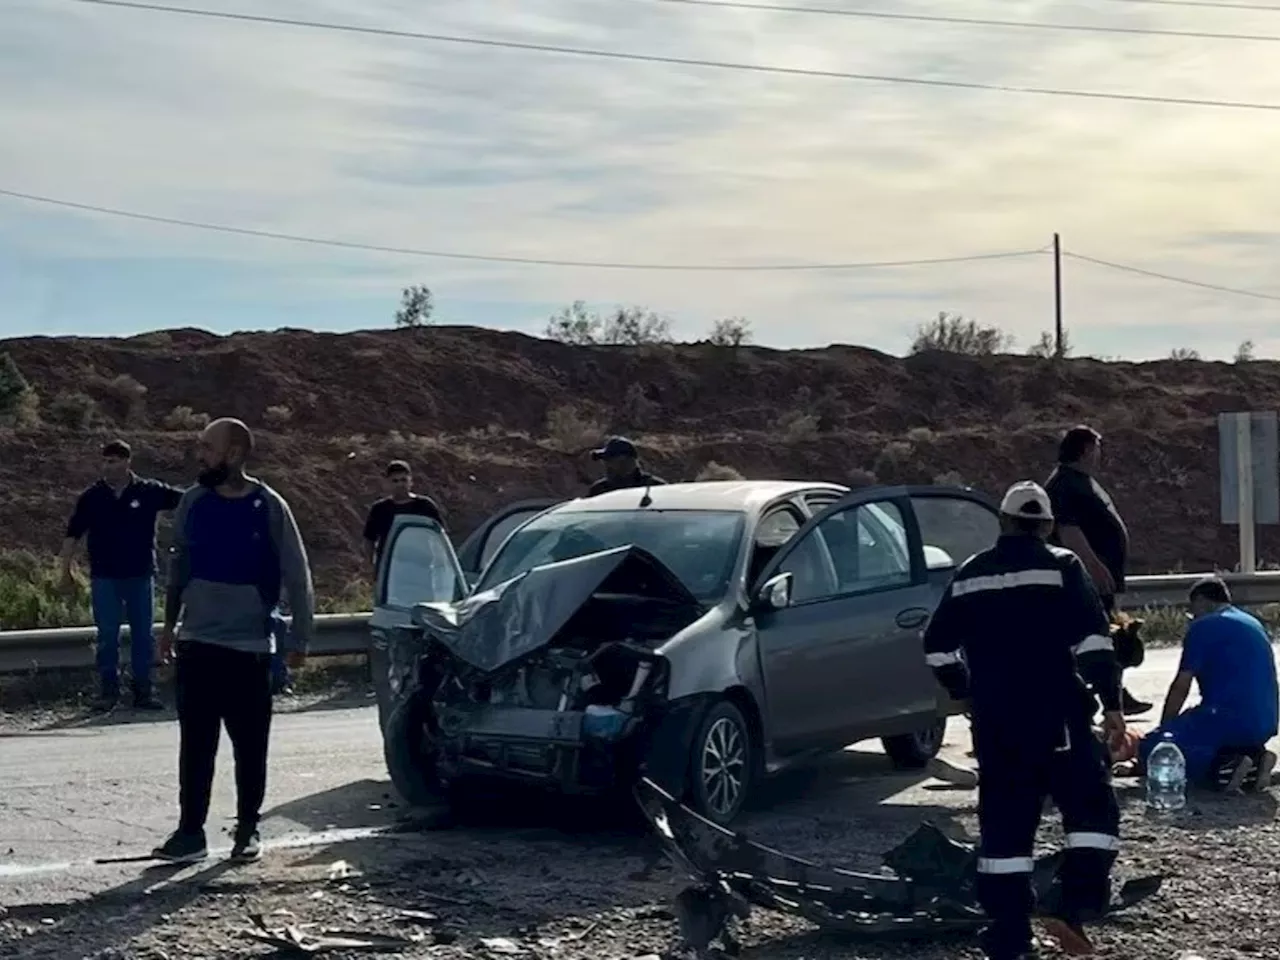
(470, 149)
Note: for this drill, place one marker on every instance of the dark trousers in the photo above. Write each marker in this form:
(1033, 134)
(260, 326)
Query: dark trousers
(1016, 778)
(217, 686)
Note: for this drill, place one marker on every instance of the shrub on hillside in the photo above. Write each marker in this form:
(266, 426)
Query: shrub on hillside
(416, 306)
(1246, 352)
(625, 327)
(731, 332)
(19, 405)
(860, 477)
(572, 431)
(184, 418)
(718, 471)
(1046, 349)
(796, 427)
(277, 416)
(893, 458)
(73, 410)
(122, 398)
(32, 598)
(952, 333)
(1184, 354)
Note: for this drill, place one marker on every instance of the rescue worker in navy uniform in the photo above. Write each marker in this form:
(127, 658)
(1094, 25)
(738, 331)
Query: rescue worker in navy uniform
(1021, 638)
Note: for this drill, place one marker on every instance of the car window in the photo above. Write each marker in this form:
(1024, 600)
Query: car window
(502, 529)
(867, 546)
(810, 569)
(960, 526)
(420, 568)
(777, 528)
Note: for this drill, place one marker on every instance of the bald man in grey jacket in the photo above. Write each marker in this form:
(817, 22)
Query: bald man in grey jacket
(236, 550)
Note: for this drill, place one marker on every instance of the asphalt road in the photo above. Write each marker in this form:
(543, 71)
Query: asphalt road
(70, 796)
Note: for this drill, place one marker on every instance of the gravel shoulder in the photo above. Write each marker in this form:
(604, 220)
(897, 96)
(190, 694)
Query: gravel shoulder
(567, 881)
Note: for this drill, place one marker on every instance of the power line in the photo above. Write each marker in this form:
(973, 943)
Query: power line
(1172, 279)
(690, 61)
(1212, 4)
(973, 21)
(496, 258)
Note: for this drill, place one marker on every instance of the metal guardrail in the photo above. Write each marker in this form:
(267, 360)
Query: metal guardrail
(346, 634)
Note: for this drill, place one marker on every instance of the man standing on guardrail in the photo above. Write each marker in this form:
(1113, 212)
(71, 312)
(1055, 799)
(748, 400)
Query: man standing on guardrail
(1089, 525)
(236, 548)
(117, 516)
(400, 499)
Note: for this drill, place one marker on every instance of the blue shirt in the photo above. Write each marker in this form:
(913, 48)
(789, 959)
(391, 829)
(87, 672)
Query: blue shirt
(121, 529)
(1229, 653)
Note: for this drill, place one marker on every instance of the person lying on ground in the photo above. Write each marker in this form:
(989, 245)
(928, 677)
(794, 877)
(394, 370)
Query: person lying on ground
(1228, 654)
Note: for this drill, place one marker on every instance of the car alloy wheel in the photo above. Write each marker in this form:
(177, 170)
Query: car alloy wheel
(723, 767)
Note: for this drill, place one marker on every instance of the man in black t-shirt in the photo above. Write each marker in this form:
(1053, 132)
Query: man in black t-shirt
(401, 500)
(622, 469)
(1088, 523)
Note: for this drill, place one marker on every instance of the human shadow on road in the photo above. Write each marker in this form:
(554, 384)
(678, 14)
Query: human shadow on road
(92, 926)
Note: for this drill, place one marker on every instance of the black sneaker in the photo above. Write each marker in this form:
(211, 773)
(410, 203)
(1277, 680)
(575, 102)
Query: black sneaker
(247, 846)
(105, 702)
(182, 848)
(147, 701)
(1132, 706)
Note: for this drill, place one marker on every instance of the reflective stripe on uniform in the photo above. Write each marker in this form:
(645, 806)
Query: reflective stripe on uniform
(1092, 841)
(1007, 581)
(942, 659)
(998, 865)
(1093, 643)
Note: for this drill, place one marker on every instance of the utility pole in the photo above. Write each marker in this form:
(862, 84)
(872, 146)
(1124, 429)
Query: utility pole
(1058, 345)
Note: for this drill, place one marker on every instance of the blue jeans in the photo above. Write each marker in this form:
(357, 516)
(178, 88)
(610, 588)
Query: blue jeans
(129, 600)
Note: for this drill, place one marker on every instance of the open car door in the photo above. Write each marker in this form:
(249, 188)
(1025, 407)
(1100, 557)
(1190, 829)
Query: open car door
(483, 542)
(841, 639)
(418, 565)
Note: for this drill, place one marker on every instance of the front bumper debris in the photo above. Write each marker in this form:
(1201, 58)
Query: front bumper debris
(930, 891)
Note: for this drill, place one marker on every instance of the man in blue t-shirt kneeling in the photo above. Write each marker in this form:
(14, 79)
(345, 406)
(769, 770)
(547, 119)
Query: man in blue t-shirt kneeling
(1227, 652)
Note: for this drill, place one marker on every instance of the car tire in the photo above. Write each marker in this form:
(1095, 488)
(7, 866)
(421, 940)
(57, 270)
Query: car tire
(406, 745)
(913, 751)
(722, 764)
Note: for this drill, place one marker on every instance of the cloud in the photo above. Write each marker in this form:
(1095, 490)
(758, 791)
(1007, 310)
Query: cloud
(438, 146)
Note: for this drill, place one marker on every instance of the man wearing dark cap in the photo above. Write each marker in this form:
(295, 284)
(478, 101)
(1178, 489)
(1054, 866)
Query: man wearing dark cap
(1228, 654)
(621, 468)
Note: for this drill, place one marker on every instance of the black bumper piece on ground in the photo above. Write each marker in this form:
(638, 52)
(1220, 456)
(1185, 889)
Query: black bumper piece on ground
(930, 893)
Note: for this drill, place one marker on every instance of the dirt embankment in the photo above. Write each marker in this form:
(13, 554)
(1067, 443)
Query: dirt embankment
(487, 417)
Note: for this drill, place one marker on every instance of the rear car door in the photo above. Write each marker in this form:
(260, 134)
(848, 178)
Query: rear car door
(947, 526)
(855, 595)
(418, 565)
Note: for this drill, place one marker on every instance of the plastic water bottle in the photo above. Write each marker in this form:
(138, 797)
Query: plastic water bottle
(1166, 777)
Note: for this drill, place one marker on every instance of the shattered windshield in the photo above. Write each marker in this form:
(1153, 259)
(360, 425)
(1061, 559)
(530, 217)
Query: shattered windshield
(698, 546)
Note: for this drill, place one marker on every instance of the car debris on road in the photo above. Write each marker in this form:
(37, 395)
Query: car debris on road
(930, 891)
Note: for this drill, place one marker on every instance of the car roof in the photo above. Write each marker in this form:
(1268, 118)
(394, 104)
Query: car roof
(742, 496)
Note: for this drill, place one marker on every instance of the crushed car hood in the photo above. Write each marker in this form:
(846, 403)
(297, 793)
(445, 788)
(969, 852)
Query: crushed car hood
(930, 890)
(513, 619)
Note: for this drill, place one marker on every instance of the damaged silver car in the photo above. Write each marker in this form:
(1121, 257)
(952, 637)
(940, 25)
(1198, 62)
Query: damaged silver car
(703, 635)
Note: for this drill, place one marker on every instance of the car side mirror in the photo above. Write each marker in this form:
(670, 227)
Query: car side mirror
(776, 593)
(935, 558)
